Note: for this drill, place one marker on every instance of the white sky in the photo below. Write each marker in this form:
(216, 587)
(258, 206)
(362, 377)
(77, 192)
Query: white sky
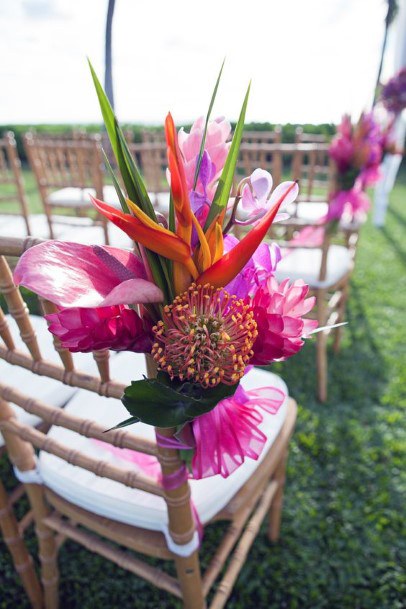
(310, 61)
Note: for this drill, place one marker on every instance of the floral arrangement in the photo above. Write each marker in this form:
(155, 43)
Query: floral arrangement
(357, 152)
(393, 94)
(203, 304)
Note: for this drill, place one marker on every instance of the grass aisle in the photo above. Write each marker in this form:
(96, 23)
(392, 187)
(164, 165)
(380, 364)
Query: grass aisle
(343, 533)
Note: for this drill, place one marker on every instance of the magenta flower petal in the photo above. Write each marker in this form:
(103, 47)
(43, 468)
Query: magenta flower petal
(118, 328)
(75, 275)
(278, 311)
(133, 291)
(228, 434)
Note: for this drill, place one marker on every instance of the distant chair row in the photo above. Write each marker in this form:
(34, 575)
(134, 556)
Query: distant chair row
(67, 170)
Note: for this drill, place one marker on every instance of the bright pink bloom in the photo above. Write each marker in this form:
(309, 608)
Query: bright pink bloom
(230, 432)
(342, 145)
(278, 311)
(216, 147)
(118, 328)
(74, 275)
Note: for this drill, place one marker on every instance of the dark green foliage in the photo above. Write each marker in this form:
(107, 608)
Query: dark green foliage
(343, 537)
(166, 403)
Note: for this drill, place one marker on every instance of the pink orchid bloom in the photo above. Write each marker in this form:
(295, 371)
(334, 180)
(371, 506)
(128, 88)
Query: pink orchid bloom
(75, 275)
(255, 193)
(118, 328)
(278, 311)
(216, 147)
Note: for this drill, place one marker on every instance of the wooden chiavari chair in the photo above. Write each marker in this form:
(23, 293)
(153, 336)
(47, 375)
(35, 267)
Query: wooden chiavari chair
(326, 267)
(12, 180)
(79, 483)
(301, 137)
(20, 331)
(152, 136)
(151, 157)
(312, 166)
(67, 171)
(263, 137)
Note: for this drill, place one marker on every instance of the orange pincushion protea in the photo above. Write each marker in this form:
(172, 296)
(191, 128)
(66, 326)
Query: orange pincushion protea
(206, 336)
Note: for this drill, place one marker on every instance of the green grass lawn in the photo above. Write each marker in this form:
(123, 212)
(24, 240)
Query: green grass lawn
(343, 533)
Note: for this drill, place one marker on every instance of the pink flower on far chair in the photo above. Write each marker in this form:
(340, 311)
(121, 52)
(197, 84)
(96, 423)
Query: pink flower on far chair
(83, 329)
(229, 433)
(278, 311)
(216, 147)
(353, 203)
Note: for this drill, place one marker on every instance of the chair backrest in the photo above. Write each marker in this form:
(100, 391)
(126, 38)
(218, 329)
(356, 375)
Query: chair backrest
(60, 163)
(313, 167)
(181, 524)
(153, 136)
(301, 137)
(11, 178)
(152, 159)
(264, 156)
(263, 137)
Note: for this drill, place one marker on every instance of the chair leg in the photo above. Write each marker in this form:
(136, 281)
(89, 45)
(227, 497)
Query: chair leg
(190, 581)
(48, 214)
(48, 549)
(275, 513)
(21, 558)
(341, 316)
(321, 347)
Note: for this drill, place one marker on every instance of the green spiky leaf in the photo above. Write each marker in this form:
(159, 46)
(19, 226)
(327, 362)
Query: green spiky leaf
(201, 151)
(226, 180)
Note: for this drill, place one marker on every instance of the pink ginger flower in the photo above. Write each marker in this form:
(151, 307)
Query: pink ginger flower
(342, 145)
(278, 311)
(118, 328)
(90, 283)
(216, 147)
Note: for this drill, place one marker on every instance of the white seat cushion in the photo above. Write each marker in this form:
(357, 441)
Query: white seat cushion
(160, 201)
(14, 226)
(118, 502)
(79, 197)
(94, 235)
(50, 391)
(302, 263)
(311, 210)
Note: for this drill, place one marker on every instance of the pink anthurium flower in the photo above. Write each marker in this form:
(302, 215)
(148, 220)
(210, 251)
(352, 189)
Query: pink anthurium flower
(75, 275)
